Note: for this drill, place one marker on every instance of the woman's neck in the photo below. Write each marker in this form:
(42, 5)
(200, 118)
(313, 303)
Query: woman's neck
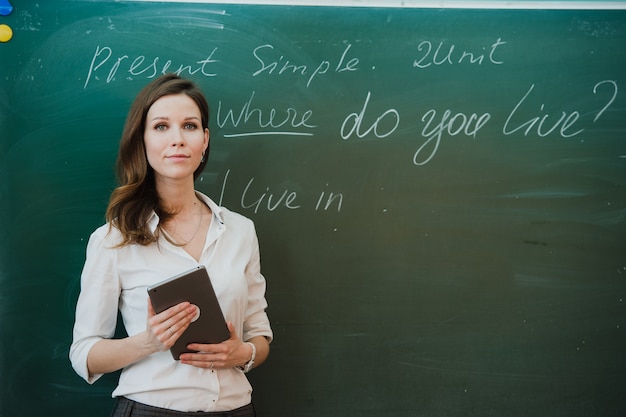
(180, 199)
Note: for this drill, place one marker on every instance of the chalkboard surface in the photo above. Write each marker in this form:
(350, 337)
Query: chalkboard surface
(440, 197)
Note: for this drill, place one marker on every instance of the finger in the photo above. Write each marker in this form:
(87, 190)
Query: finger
(169, 335)
(177, 310)
(201, 360)
(220, 348)
(177, 324)
(174, 332)
(170, 329)
(231, 329)
(172, 315)
(151, 312)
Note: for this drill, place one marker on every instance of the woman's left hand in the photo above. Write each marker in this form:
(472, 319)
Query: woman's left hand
(228, 354)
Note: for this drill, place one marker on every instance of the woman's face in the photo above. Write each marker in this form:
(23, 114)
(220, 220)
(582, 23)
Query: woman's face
(174, 137)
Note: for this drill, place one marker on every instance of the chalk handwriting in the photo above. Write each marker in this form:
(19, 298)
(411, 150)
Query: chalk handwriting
(352, 124)
(103, 63)
(272, 64)
(259, 199)
(453, 125)
(265, 121)
(325, 202)
(256, 117)
(437, 56)
(611, 100)
(268, 199)
(542, 124)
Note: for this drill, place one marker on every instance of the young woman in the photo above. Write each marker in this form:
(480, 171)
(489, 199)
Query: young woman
(158, 226)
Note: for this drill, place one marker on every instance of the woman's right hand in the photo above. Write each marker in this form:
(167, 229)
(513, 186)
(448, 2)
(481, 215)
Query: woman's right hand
(110, 355)
(165, 328)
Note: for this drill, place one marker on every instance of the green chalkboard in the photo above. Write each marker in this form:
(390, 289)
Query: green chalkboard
(440, 197)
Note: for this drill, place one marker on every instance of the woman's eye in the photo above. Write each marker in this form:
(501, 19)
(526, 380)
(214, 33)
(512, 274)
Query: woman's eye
(190, 126)
(160, 127)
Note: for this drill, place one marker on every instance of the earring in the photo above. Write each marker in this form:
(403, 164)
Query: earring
(202, 160)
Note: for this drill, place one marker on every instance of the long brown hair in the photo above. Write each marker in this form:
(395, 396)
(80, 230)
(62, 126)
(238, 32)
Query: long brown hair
(134, 200)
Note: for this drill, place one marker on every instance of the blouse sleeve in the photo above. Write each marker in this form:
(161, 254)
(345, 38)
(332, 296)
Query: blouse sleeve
(96, 309)
(256, 322)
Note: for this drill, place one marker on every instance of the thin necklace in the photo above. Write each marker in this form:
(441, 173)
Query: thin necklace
(194, 234)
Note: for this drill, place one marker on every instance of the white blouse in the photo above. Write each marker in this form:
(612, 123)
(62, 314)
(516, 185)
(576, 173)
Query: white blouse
(118, 278)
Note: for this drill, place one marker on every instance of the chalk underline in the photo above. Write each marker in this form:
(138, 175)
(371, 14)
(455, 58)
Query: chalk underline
(238, 135)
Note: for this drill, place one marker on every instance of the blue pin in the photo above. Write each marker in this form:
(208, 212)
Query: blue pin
(5, 8)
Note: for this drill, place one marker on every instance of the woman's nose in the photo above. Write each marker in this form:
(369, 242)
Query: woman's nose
(178, 138)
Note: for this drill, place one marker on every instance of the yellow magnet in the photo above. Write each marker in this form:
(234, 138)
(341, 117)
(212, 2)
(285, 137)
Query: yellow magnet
(6, 33)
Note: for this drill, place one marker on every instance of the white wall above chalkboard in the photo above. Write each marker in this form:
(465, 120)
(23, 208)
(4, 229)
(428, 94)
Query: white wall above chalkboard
(446, 4)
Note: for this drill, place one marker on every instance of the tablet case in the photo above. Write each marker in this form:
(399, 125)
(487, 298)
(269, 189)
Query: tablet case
(194, 286)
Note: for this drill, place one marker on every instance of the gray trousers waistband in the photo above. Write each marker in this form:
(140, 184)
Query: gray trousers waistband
(129, 408)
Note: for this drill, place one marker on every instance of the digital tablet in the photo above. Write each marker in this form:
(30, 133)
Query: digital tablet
(194, 286)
